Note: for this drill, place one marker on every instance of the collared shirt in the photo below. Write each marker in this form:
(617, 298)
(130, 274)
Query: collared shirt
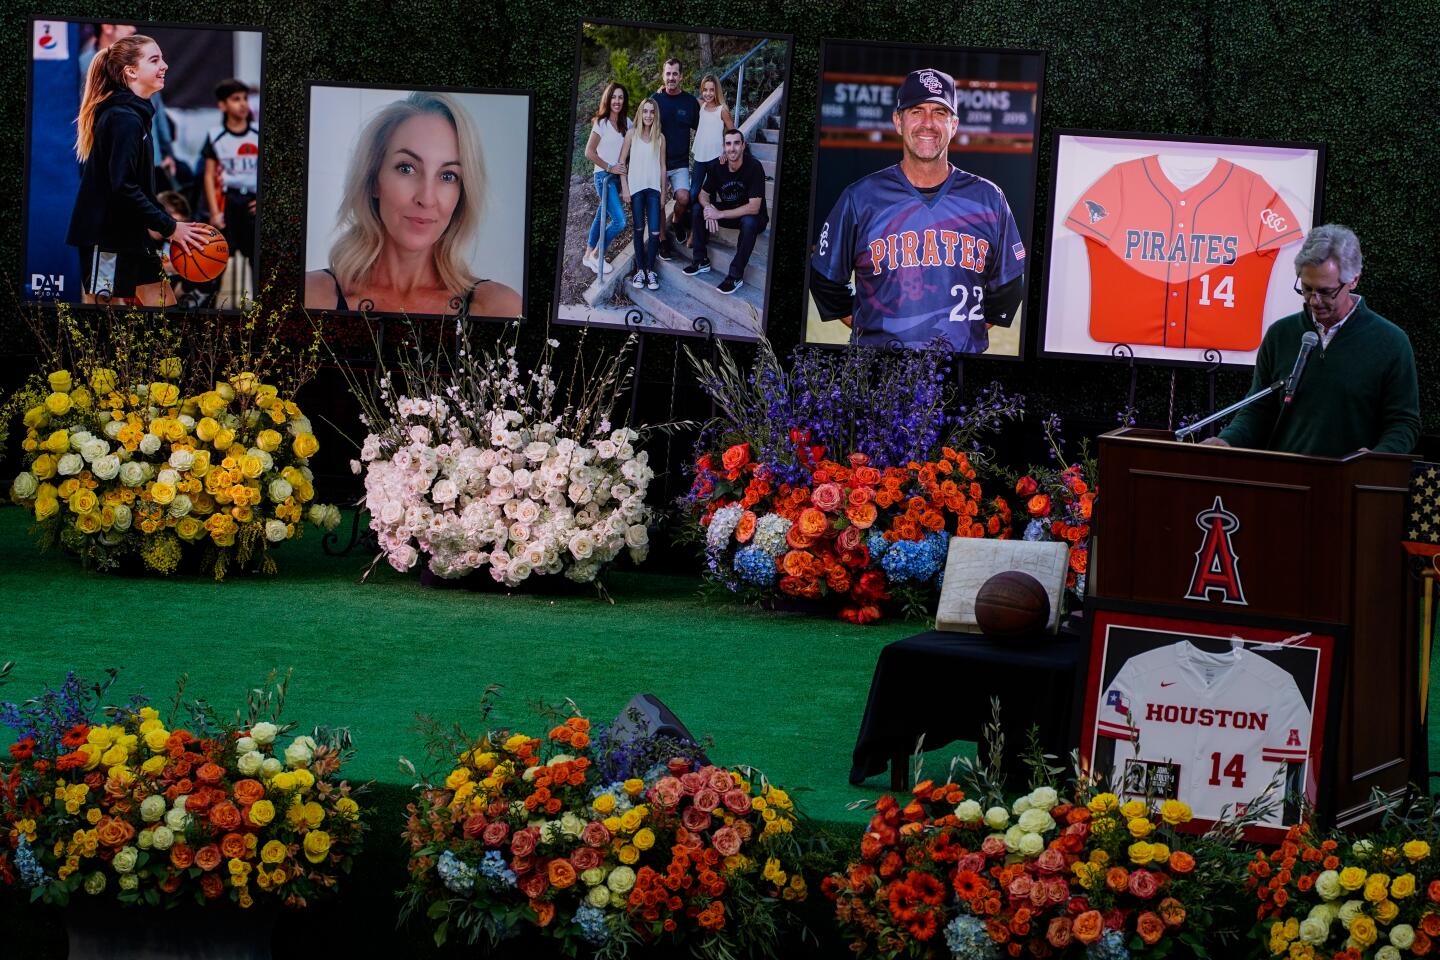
(1327, 335)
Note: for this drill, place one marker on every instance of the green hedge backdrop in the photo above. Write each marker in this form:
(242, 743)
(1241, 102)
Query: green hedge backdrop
(1359, 77)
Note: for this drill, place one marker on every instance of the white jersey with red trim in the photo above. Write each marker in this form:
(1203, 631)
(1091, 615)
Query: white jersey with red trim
(1229, 720)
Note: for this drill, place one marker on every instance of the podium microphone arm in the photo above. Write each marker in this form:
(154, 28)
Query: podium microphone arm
(1199, 425)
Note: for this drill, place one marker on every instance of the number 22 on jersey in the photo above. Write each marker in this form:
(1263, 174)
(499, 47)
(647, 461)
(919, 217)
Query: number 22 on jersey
(976, 313)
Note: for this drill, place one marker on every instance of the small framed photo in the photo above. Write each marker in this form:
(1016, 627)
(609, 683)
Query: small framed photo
(1228, 718)
(137, 133)
(674, 184)
(417, 201)
(923, 196)
(1174, 250)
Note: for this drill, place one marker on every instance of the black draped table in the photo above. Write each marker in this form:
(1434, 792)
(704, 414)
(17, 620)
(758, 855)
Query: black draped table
(940, 685)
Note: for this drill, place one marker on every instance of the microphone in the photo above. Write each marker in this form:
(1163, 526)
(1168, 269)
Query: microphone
(1308, 342)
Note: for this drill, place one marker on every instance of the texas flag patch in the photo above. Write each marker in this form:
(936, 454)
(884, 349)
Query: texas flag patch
(1019, 251)
(1117, 700)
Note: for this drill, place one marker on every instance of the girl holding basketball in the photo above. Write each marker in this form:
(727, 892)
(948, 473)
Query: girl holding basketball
(117, 223)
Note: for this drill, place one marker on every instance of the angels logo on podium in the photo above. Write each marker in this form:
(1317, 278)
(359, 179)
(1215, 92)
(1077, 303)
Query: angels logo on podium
(1217, 569)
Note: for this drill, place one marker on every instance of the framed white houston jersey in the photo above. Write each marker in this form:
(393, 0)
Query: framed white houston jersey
(1174, 250)
(1227, 718)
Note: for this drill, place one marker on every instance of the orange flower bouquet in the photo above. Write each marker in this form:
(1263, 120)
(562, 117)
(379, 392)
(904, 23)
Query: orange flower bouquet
(600, 839)
(942, 875)
(1059, 503)
(842, 478)
(117, 801)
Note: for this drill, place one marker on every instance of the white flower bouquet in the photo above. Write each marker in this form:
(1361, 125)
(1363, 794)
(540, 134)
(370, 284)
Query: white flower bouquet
(471, 463)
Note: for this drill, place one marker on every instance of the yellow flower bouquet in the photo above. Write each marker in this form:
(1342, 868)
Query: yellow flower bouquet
(128, 456)
(124, 803)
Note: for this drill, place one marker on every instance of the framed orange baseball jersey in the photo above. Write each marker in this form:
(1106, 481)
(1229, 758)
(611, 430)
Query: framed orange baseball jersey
(1182, 245)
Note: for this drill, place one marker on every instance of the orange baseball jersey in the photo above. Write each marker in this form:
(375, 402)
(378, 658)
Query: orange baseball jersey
(1181, 268)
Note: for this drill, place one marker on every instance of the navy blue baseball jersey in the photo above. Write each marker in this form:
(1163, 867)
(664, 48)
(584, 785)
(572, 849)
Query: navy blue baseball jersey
(921, 266)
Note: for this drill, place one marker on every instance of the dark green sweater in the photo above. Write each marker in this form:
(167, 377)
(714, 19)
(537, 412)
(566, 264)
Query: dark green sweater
(1361, 391)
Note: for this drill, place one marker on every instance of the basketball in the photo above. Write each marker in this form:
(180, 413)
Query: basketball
(1012, 604)
(203, 264)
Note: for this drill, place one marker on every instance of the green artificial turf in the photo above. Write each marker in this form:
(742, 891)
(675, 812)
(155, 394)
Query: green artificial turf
(783, 692)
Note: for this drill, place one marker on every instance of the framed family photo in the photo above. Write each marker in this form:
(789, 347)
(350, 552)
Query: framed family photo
(143, 140)
(674, 177)
(417, 201)
(1174, 249)
(923, 196)
(1225, 716)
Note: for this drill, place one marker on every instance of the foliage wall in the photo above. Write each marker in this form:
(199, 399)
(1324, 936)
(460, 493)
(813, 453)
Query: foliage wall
(1360, 77)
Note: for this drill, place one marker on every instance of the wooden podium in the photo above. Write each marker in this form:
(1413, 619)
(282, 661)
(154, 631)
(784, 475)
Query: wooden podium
(1314, 538)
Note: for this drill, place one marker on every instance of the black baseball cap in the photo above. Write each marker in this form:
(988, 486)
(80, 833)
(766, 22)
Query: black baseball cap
(927, 85)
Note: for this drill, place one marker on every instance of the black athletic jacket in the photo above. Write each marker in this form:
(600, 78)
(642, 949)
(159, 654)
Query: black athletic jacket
(116, 203)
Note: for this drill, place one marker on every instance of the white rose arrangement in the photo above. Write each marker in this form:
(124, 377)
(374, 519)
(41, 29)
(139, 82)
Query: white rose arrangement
(473, 464)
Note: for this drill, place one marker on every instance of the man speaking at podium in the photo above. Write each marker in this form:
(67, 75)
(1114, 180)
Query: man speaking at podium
(1357, 390)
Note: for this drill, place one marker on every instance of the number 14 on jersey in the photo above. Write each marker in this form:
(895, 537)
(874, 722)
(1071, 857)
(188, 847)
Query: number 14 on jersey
(1224, 290)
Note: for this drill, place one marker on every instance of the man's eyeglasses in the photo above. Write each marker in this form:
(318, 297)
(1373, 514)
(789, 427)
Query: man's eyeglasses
(1326, 294)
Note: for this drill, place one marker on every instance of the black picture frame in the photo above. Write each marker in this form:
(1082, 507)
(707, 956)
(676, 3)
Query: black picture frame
(1331, 640)
(634, 318)
(50, 303)
(1212, 359)
(527, 95)
(1031, 179)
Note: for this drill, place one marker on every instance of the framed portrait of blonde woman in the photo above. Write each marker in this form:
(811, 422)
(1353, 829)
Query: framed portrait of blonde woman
(417, 201)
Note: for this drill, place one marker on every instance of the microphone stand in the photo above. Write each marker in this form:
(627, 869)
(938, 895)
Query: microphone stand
(1199, 425)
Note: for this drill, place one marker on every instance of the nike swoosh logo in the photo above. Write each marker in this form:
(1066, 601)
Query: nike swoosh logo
(1170, 684)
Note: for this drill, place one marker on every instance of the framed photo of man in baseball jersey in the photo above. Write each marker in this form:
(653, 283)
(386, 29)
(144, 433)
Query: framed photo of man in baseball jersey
(1174, 249)
(922, 196)
(1230, 718)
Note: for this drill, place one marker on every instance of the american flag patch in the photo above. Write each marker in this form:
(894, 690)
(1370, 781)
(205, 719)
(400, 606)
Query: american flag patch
(1019, 251)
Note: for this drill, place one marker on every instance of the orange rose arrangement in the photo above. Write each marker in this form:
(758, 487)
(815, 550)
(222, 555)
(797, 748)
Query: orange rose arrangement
(601, 837)
(836, 479)
(132, 806)
(1059, 504)
(852, 532)
(941, 875)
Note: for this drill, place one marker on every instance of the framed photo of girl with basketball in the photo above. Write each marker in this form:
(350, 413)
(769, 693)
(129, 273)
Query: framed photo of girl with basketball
(123, 201)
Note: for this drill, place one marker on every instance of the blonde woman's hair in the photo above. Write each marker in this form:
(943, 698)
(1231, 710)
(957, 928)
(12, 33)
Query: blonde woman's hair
(657, 139)
(719, 89)
(105, 78)
(362, 234)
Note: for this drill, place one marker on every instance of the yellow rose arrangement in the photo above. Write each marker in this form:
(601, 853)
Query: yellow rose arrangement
(124, 803)
(134, 455)
(1333, 896)
(142, 470)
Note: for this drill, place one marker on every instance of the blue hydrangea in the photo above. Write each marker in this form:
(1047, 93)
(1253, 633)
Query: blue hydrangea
(591, 921)
(31, 873)
(876, 543)
(1110, 946)
(494, 869)
(913, 560)
(1034, 530)
(722, 524)
(770, 531)
(457, 875)
(967, 939)
(755, 566)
